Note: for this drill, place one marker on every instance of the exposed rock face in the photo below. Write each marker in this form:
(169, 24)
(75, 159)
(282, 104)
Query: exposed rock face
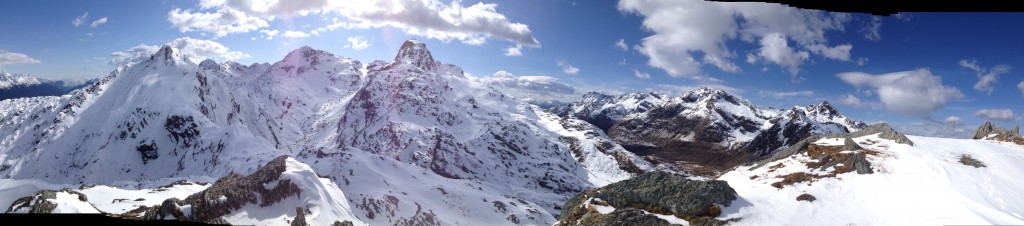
(655, 192)
(989, 131)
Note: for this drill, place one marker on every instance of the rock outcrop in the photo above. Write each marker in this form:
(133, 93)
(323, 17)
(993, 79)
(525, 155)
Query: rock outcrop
(989, 131)
(47, 201)
(695, 201)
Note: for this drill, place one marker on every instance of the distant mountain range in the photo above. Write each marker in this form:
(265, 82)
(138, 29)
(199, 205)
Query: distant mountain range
(704, 131)
(21, 85)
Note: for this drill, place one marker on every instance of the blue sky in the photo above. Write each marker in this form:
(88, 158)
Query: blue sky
(939, 74)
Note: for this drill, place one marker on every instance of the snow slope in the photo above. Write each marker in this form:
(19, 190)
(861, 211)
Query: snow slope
(923, 184)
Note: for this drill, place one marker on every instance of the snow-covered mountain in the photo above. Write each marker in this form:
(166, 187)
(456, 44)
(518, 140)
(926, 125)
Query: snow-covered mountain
(704, 131)
(23, 85)
(410, 141)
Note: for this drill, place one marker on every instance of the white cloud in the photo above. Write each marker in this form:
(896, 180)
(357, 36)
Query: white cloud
(428, 18)
(7, 58)
(641, 75)
(98, 22)
(872, 29)
(1021, 87)
(531, 87)
(516, 50)
(295, 34)
(78, 21)
(839, 52)
(357, 43)
(568, 69)
(935, 129)
(269, 34)
(221, 22)
(851, 100)
(685, 28)
(775, 49)
(995, 114)
(914, 93)
(721, 63)
(953, 120)
(195, 49)
(783, 95)
(622, 45)
(986, 76)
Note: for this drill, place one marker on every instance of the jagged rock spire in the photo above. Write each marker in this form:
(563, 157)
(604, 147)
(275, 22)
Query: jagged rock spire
(416, 53)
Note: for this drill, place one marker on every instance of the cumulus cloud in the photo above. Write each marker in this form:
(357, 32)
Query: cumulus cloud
(7, 58)
(996, 114)
(839, 52)
(221, 22)
(914, 93)
(641, 75)
(775, 49)
(1021, 87)
(872, 29)
(428, 18)
(622, 45)
(685, 30)
(783, 95)
(568, 69)
(516, 50)
(98, 22)
(78, 21)
(531, 87)
(295, 34)
(269, 34)
(986, 76)
(357, 43)
(196, 50)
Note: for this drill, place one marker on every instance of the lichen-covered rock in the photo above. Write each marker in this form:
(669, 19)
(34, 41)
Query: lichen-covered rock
(236, 190)
(850, 145)
(45, 201)
(655, 192)
(629, 216)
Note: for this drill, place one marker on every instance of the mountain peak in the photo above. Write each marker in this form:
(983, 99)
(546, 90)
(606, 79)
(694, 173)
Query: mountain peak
(304, 53)
(824, 108)
(168, 55)
(416, 53)
(11, 79)
(708, 93)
